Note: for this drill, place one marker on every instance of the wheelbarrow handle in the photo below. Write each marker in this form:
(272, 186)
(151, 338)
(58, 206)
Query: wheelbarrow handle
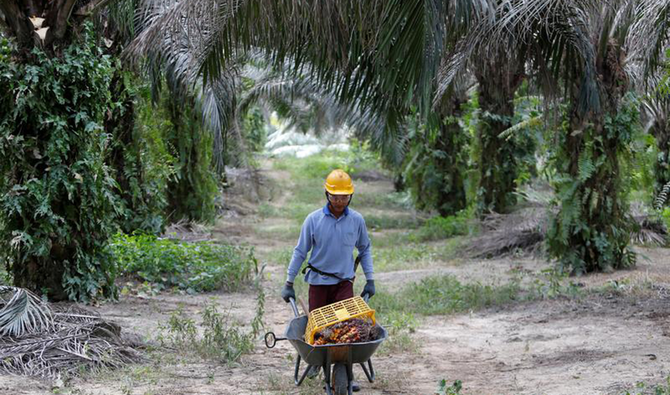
(294, 307)
(271, 340)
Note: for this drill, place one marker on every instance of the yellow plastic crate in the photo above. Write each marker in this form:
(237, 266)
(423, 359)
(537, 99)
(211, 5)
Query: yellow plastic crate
(337, 312)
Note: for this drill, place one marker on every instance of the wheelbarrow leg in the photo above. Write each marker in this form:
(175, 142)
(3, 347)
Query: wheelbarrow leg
(326, 373)
(350, 376)
(371, 373)
(297, 371)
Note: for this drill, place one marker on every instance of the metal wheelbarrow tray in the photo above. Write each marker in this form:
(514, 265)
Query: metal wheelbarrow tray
(325, 356)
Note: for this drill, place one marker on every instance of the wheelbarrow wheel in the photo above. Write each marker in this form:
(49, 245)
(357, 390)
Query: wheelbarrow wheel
(340, 379)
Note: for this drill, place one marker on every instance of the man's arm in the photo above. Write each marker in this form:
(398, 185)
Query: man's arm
(301, 250)
(365, 251)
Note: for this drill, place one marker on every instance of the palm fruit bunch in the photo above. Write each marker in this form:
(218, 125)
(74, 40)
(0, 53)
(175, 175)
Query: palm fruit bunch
(354, 330)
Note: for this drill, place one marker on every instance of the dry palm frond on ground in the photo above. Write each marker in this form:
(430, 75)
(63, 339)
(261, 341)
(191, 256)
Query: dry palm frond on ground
(184, 230)
(39, 339)
(524, 230)
(503, 234)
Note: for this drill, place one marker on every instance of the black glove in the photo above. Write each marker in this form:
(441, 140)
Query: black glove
(288, 292)
(369, 288)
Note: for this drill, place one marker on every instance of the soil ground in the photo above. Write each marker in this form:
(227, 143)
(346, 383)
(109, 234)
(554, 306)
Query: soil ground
(600, 343)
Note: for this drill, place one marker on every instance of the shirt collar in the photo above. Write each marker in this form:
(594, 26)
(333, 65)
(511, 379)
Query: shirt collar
(326, 210)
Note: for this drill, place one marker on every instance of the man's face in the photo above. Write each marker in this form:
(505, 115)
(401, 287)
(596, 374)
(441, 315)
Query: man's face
(339, 202)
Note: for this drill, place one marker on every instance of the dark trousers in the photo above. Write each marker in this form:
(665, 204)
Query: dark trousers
(322, 295)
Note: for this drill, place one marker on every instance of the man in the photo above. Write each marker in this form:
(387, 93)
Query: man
(331, 233)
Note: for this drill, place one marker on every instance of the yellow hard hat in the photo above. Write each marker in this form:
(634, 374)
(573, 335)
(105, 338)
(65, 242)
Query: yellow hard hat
(338, 182)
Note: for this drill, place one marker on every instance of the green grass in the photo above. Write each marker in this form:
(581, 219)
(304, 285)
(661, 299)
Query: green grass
(374, 222)
(280, 232)
(401, 327)
(401, 257)
(389, 239)
(193, 267)
(439, 228)
(315, 166)
(383, 201)
(443, 295)
(298, 211)
(219, 338)
(266, 210)
(281, 256)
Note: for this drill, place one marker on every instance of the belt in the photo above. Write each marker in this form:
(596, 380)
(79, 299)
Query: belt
(312, 268)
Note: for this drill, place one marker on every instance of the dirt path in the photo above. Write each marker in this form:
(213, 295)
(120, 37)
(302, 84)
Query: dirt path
(599, 344)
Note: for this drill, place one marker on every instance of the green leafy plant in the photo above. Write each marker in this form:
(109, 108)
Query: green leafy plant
(643, 389)
(665, 214)
(193, 267)
(550, 283)
(140, 155)
(222, 338)
(192, 192)
(592, 229)
(435, 165)
(444, 388)
(57, 195)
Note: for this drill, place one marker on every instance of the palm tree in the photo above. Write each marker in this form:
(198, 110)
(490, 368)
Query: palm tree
(378, 58)
(55, 94)
(499, 71)
(585, 46)
(656, 108)
(436, 163)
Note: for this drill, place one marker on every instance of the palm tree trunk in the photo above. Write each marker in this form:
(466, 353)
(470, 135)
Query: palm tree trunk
(452, 166)
(192, 193)
(498, 80)
(592, 229)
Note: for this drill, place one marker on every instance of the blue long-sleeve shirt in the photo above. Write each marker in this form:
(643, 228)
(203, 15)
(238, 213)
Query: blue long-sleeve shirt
(332, 241)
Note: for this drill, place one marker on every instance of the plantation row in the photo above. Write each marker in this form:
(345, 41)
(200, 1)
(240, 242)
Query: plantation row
(121, 116)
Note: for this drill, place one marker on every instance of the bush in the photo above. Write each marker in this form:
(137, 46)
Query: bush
(193, 267)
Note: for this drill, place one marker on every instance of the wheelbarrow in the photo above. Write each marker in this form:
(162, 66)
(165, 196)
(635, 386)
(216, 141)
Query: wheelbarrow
(340, 357)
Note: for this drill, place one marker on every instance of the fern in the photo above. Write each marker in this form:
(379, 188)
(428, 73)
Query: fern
(662, 197)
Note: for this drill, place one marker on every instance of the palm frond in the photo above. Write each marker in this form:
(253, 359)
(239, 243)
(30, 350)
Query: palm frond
(123, 16)
(649, 35)
(302, 99)
(525, 124)
(381, 53)
(74, 338)
(663, 197)
(22, 312)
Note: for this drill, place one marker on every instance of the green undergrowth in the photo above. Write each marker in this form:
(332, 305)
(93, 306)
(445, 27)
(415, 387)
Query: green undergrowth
(642, 388)
(375, 222)
(217, 336)
(355, 161)
(191, 267)
(444, 294)
(401, 327)
(444, 388)
(440, 228)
